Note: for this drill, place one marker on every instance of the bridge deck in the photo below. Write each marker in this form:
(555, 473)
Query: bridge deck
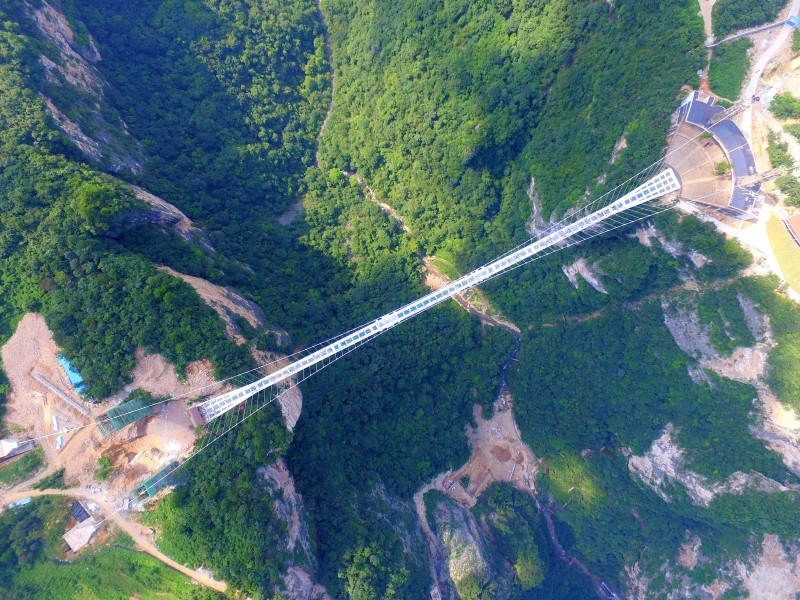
(662, 184)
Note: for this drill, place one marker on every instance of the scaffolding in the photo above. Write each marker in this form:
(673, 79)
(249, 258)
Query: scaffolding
(123, 415)
(156, 483)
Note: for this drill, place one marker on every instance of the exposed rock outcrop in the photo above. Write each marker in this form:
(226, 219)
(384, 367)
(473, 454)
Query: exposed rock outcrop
(464, 563)
(665, 463)
(582, 268)
(164, 214)
(692, 336)
(109, 144)
(298, 581)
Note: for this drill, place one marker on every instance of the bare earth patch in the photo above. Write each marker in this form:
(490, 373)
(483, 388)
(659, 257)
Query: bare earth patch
(689, 552)
(775, 576)
(31, 407)
(137, 451)
(155, 375)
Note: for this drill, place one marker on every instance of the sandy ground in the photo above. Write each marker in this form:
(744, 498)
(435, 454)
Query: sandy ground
(136, 451)
(154, 374)
(498, 455)
(772, 49)
(705, 12)
(498, 452)
(32, 407)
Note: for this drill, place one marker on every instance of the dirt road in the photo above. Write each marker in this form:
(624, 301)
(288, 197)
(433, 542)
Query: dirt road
(134, 530)
(758, 70)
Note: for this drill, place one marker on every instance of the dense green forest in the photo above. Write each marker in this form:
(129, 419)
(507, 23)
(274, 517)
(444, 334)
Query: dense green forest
(468, 99)
(58, 258)
(732, 15)
(728, 68)
(458, 115)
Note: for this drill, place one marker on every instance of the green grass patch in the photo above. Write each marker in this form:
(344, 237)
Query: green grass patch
(728, 68)
(790, 186)
(54, 481)
(22, 468)
(736, 15)
(111, 574)
(31, 545)
(786, 252)
(794, 128)
(785, 106)
(778, 152)
(104, 468)
(445, 262)
(570, 478)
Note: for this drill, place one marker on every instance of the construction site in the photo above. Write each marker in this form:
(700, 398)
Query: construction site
(138, 437)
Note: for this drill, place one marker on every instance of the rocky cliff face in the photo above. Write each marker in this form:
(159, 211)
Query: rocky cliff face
(73, 91)
(470, 564)
(464, 563)
(664, 463)
(298, 581)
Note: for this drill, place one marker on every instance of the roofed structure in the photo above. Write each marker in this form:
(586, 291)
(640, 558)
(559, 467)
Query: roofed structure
(9, 447)
(79, 511)
(156, 483)
(81, 534)
(792, 225)
(696, 155)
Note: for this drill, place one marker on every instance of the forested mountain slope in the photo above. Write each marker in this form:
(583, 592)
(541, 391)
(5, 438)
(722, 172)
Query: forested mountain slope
(459, 115)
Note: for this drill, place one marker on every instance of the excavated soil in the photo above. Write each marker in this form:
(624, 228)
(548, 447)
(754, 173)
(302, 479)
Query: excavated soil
(32, 407)
(137, 451)
(154, 374)
(498, 455)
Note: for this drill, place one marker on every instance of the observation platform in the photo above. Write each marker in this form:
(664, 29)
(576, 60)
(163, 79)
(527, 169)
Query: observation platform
(695, 156)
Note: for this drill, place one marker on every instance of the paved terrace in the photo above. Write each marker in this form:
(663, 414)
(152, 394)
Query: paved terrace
(735, 145)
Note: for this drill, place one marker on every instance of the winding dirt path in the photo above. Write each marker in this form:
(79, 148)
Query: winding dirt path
(136, 531)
